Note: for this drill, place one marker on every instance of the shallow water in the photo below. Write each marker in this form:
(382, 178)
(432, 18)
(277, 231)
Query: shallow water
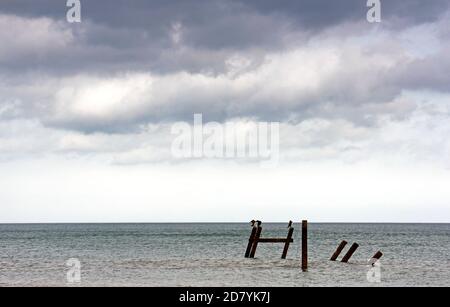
(212, 255)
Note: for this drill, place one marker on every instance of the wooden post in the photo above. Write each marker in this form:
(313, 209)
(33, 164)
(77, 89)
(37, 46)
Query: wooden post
(375, 257)
(338, 250)
(250, 242)
(350, 253)
(288, 241)
(304, 246)
(255, 242)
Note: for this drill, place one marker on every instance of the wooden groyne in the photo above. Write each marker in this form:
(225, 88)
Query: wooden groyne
(255, 239)
(350, 253)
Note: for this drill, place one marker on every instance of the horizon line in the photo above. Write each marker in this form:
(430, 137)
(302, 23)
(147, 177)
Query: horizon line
(213, 222)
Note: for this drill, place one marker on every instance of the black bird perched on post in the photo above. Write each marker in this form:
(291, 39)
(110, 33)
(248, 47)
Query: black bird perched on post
(258, 222)
(252, 222)
(290, 224)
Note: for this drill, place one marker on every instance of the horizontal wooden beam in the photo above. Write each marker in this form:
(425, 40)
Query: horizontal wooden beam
(274, 240)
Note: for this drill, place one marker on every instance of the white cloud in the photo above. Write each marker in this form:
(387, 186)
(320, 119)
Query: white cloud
(295, 82)
(420, 137)
(101, 99)
(22, 37)
(353, 75)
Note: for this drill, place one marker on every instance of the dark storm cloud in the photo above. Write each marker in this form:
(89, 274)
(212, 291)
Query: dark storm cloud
(117, 36)
(135, 35)
(165, 39)
(153, 14)
(316, 14)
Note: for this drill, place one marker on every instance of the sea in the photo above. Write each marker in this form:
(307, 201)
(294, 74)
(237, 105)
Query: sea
(204, 255)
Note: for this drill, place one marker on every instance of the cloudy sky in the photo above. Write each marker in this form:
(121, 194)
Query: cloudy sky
(86, 110)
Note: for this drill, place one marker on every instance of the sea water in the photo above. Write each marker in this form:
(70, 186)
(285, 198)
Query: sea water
(213, 255)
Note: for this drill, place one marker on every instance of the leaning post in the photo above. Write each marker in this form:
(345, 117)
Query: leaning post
(350, 253)
(288, 241)
(376, 257)
(338, 250)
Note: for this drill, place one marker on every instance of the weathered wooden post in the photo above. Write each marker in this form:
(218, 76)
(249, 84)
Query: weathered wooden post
(304, 246)
(256, 240)
(338, 250)
(288, 240)
(350, 253)
(375, 257)
(251, 239)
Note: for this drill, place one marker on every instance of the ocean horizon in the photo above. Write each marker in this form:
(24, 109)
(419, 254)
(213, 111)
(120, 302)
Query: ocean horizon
(212, 254)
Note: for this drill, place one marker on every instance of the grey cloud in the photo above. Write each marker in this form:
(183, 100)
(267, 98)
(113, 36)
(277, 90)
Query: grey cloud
(116, 36)
(323, 13)
(116, 39)
(154, 14)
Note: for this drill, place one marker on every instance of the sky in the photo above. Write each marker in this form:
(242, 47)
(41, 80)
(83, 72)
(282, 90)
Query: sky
(87, 110)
